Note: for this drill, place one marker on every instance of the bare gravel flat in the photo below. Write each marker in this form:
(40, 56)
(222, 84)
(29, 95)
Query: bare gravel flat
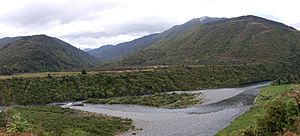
(201, 120)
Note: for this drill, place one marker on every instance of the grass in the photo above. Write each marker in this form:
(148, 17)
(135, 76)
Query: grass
(43, 74)
(249, 118)
(54, 121)
(163, 100)
(61, 74)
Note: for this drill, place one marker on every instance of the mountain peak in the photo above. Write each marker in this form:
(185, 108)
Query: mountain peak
(205, 18)
(263, 20)
(250, 18)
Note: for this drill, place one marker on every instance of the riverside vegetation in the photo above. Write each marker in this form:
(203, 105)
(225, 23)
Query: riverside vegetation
(276, 112)
(56, 121)
(43, 90)
(165, 100)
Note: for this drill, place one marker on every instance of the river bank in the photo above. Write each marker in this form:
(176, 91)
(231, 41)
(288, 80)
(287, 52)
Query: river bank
(249, 121)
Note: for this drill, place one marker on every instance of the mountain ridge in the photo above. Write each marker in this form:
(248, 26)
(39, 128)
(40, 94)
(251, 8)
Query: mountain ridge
(240, 40)
(41, 53)
(200, 41)
(117, 52)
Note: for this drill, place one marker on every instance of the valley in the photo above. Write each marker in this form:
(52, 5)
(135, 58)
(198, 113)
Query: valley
(208, 76)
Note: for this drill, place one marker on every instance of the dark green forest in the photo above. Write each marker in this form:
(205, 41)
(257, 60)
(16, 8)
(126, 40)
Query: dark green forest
(32, 91)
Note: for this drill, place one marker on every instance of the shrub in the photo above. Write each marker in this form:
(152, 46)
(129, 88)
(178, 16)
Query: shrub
(83, 72)
(49, 75)
(280, 115)
(74, 132)
(247, 132)
(18, 125)
(2, 119)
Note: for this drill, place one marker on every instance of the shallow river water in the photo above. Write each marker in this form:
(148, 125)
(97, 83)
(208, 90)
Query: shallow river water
(221, 106)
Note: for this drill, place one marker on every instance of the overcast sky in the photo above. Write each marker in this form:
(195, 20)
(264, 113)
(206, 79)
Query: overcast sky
(92, 23)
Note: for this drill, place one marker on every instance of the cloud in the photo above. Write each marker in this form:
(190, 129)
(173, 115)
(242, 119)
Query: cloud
(115, 33)
(92, 23)
(88, 42)
(86, 34)
(40, 13)
(143, 25)
(296, 25)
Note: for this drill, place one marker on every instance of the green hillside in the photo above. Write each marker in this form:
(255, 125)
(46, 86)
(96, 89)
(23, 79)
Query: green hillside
(110, 53)
(40, 53)
(113, 53)
(241, 40)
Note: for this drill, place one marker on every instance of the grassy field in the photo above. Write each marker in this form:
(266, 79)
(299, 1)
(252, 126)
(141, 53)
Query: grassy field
(56, 121)
(164, 100)
(44, 74)
(61, 74)
(249, 118)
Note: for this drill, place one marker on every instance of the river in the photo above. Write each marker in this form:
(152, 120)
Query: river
(221, 106)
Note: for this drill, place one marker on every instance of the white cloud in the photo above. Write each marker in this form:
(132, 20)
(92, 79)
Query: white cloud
(92, 23)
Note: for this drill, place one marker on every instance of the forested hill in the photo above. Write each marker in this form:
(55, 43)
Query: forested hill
(112, 53)
(241, 40)
(40, 53)
(109, 53)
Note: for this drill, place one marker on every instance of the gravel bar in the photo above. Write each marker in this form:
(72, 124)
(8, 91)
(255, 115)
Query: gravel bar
(221, 106)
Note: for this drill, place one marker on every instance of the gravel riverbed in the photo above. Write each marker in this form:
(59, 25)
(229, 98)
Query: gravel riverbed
(221, 106)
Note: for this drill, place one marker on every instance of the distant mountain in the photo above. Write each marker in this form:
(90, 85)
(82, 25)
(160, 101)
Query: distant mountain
(241, 40)
(87, 49)
(110, 53)
(40, 53)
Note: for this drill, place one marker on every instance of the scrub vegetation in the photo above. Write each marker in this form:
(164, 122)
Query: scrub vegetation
(43, 90)
(276, 112)
(165, 100)
(56, 121)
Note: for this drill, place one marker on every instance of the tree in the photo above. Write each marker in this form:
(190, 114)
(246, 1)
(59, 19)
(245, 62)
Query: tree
(280, 115)
(83, 72)
(296, 96)
(49, 75)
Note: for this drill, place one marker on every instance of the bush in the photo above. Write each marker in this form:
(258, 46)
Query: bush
(27, 91)
(6, 71)
(247, 132)
(57, 121)
(18, 125)
(2, 119)
(280, 115)
(75, 132)
(49, 75)
(83, 72)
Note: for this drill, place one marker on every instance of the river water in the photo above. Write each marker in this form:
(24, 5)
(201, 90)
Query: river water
(221, 106)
